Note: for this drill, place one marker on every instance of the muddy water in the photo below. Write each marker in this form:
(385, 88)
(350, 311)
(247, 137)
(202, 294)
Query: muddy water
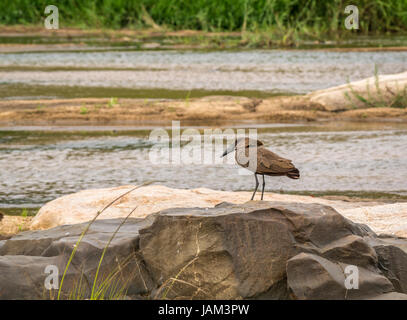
(277, 71)
(39, 166)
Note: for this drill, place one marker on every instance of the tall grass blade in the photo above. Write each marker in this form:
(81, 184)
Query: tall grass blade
(86, 230)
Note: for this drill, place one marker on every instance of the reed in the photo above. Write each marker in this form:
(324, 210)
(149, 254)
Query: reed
(378, 98)
(97, 292)
(295, 16)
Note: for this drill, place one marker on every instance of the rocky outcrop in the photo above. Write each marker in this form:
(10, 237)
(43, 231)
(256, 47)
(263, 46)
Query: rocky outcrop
(384, 88)
(313, 277)
(255, 250)
(82, 206)
(24, 257)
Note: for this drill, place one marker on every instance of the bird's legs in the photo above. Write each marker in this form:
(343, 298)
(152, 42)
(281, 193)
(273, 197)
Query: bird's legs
(262, 190)
(257, 185)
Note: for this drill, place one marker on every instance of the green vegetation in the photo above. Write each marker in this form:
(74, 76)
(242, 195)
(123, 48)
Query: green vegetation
(83, 110)
(71, 92)
(112, 102)
(111, 286)
(393, 99)
(187, 98)
(380, 98)
(289, 18)
(24, 213)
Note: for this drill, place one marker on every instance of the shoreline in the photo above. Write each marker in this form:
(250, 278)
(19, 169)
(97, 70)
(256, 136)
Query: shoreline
(154, 198)
(35, 38)
(13, 223)
(133, 112)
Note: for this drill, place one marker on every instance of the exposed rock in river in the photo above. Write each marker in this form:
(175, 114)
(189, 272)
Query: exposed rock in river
(82, 206)
(267, 250)
(383, 88)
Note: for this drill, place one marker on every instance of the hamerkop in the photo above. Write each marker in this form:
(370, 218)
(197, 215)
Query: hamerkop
(252, 155)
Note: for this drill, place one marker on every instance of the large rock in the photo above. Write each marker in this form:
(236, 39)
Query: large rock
(23, 277)
(384, 88)
(392, 255)
(82, 206)
(30, 252)
(313, 277)
(255, 250)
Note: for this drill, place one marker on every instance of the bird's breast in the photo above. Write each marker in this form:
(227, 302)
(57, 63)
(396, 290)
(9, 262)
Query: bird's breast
(247, 158)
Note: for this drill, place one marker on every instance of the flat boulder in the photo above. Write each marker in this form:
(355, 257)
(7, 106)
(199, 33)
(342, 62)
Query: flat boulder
(371, 92)
(83, 206)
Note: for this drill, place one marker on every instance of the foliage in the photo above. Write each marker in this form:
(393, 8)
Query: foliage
(305, 16)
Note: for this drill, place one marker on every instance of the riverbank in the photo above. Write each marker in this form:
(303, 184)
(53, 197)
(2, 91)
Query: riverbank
(111, 111)
(35, 38)
(11, 225)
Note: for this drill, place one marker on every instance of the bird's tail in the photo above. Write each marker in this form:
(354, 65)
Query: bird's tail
(294, 174)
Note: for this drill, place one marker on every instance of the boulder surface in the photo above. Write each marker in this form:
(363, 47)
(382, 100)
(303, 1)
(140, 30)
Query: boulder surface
(255, 250)
(83, 206)
(383, 89)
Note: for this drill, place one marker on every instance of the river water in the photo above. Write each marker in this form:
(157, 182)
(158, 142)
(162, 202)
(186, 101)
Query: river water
(275, 71)
(42, 166)
(37, 166)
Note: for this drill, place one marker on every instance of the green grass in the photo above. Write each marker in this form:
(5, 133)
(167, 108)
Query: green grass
(380, 98)
(288, 17)
(83, 110)
(109, 286)
(112, 102)
(24, 213)
(112, 286)
(187, 98)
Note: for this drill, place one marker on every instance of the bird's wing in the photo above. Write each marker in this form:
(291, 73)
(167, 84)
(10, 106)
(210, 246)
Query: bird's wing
(269, 162)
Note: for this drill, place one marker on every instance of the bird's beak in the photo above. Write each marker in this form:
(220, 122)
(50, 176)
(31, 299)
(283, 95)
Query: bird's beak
(228, 150)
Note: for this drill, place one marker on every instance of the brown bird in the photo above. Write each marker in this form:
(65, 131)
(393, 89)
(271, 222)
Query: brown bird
(252, 155)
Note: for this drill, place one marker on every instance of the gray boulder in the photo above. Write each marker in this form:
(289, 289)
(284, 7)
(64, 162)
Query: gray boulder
(313, 277)
(31, 252)
(392, 256)
(256, 250)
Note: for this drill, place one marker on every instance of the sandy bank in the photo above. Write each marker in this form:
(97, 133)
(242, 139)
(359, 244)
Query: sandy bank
(92, 111)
